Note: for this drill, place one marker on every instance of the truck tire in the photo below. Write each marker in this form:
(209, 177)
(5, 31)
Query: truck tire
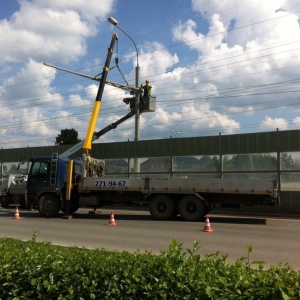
(191, 208)
(162, 207)
(48, 206)
(5, 201)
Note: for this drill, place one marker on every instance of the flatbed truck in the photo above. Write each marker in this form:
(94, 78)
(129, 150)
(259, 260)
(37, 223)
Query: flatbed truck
(47, 188)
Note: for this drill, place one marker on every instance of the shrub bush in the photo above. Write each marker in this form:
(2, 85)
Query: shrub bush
(32, 270)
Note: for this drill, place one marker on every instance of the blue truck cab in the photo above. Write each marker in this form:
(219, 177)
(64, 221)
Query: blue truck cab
(46, 184)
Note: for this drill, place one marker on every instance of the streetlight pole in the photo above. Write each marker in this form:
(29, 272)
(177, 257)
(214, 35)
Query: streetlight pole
(137, 96)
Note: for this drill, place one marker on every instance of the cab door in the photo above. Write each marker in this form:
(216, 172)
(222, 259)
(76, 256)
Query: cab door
(38, 178)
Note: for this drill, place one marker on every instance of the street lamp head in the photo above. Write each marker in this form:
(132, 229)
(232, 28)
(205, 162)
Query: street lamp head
(113, 21)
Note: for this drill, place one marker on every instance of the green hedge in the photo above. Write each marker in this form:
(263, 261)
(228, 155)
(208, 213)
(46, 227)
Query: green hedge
(32, 270)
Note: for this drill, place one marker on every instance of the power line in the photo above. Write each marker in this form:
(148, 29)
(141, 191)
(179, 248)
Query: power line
(186, 74)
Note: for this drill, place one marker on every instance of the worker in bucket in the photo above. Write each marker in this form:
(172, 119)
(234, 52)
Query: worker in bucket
(147, 89)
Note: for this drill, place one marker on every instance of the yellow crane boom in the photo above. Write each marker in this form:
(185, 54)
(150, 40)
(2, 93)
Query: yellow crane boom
(97, 104)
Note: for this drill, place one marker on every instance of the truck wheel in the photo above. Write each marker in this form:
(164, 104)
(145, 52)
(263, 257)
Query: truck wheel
(191, 208)
(48, 206)
(5, 201)
(162, 207)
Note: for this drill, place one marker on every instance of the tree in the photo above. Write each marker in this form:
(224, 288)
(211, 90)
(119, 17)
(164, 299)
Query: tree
(207, 163)
(287, 162)
(67, 137)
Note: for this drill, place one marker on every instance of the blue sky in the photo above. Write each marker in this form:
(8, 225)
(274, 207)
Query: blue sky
(216, 67)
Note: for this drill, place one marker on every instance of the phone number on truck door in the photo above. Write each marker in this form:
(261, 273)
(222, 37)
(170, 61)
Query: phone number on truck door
(108, 183)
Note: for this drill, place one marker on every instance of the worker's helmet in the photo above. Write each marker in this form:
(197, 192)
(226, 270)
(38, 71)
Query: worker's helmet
(147, 81)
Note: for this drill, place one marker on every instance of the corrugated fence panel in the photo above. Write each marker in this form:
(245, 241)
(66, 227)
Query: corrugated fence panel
(228, 144)
(249, 143)
(289, 140)
(146, 148)
(262, 142)
(207, 145)
(155, 148)
(110, 150)
(194, 146)
(267, 142)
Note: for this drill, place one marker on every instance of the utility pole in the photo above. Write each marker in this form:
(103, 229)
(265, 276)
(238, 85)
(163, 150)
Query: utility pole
(137, 96)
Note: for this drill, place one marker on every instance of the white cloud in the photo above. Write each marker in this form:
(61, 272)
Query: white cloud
(187, 32)
(36, 92)
(272, 124)
(92, 11)
(47, 29)
(234, 59)
(296, 122)
(203, 117)
(255, 15)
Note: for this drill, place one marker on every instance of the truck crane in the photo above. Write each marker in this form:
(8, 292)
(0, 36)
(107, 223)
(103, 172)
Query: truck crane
(58, 183)
(13, 186)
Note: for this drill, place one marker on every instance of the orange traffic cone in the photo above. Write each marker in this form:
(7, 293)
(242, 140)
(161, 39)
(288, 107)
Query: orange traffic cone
(112, 221)
(17, 215)
(207, 227)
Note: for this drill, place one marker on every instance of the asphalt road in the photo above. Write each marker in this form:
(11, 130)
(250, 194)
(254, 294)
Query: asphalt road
(273, 240)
